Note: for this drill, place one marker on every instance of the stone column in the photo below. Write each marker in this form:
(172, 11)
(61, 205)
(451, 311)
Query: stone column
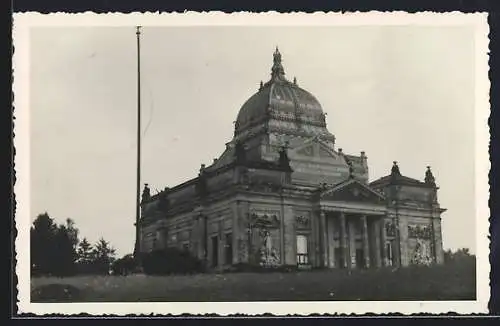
(383, 240)
(314, 256)
(323, 237)
(437, 240)
(235, 231)
(222, 242)
(366, 248)
(376, 242)
(343, 242)
(199, 236)
(400, 240)
(330, 226)
(288, 240)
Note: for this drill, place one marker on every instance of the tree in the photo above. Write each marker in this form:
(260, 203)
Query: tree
(85, 252)
(65, 264)
(103, 255)
(42, 236)
(52, 249)
(72, 232)
(85, 257)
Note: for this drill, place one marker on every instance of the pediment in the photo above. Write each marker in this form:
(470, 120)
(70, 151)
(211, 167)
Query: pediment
(305, 151)
(352, 191)
(315, 148)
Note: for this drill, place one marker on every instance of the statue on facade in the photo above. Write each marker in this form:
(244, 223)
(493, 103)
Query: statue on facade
(323, 120)
(284, 161)
(421, 253)
(351, 170)
(269, 256)
(146, 193)
(395, 169)
(239, 152)
(429, 177)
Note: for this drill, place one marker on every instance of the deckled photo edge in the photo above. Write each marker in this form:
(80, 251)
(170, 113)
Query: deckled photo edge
(22, 23)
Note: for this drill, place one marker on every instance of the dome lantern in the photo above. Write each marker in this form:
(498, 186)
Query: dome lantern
(277, 71)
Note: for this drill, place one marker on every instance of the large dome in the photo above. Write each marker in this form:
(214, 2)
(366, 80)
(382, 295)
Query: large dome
(281, 99)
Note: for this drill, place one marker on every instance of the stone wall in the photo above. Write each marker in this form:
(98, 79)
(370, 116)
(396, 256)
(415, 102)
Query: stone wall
(420, 238)
(438, 240)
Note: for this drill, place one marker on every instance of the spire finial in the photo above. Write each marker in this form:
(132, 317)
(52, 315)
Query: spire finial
(261, 85)
(277, 70)
(395, 168)
(295, 80)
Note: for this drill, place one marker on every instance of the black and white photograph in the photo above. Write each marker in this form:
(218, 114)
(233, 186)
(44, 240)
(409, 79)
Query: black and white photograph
(279, 163)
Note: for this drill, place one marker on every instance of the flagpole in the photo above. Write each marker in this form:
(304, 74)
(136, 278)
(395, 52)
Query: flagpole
(138, 172)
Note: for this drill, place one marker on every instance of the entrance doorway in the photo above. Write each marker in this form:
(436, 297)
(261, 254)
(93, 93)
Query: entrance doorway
(215, 251)
(360, 258)
(339, 260)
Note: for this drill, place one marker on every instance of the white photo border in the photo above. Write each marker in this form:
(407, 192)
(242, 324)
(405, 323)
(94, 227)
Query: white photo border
(22, 22)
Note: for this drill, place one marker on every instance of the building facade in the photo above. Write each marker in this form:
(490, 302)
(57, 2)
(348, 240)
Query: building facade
(283, 193)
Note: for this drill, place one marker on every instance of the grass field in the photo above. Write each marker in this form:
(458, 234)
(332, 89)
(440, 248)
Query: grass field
(447, 282)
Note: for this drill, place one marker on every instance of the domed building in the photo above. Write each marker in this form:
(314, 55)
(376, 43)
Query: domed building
(282, 193)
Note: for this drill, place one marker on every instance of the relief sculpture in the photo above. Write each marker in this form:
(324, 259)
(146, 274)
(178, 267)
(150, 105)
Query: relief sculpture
(419, 231)
(422, 253)
(302, 221)
(264, 239)
(269, 255)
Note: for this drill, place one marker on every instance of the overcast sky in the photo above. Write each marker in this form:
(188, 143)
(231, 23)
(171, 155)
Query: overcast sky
(398, 93)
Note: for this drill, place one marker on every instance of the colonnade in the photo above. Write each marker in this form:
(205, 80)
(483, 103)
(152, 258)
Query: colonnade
(338, 236)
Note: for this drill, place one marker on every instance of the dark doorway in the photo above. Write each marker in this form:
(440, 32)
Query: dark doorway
(215, 251)
(339, 261)
(229, 249)
(360, 258)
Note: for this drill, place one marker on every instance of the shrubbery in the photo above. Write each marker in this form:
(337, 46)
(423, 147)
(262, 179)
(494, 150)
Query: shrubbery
(250, 268)
(171, 261)
(460, 256)
(125, 265)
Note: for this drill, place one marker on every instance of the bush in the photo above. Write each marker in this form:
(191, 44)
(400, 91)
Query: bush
(252, 268)
(171, 261)
(125, 265)
(461, 256)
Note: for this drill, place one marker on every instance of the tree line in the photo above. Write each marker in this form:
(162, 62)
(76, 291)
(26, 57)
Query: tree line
(57, 250)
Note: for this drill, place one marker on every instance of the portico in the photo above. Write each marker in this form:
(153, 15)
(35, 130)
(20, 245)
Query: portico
(353, 239)
(351, 228)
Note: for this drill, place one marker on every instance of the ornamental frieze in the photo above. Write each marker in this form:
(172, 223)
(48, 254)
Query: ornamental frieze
(303, 221)
(420, 231)
(265, 219)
